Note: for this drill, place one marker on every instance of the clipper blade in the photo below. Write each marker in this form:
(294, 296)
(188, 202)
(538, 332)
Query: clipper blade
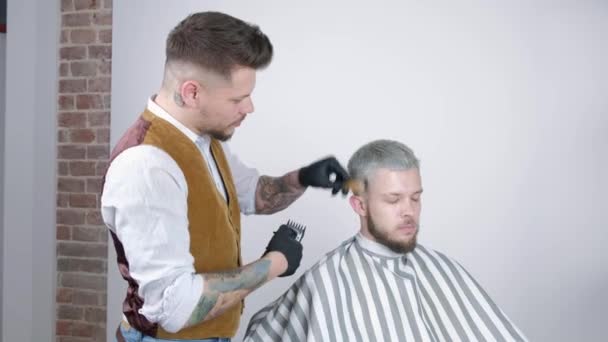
(297, 228)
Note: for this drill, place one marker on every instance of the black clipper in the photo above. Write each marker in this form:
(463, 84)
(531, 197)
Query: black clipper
(296, 230)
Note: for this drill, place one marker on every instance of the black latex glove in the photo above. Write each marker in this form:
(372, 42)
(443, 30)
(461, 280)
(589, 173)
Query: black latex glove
(283, 241)
(318, 175)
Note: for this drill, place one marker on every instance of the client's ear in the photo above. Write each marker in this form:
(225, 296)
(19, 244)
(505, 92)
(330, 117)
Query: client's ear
(356, 201)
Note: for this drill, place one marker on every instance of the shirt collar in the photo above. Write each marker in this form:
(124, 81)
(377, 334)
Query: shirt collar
(376, 247)
(163, 114)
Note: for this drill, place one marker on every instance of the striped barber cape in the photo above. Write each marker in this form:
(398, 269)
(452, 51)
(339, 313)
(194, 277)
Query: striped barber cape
(363, 291)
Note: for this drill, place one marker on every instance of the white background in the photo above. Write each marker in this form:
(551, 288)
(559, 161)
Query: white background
(505, 103)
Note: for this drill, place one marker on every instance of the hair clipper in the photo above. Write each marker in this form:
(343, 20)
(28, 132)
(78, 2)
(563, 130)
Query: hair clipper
(296, 230)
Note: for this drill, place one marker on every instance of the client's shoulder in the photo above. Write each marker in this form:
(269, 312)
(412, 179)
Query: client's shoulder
(332, 258)
(426, 254)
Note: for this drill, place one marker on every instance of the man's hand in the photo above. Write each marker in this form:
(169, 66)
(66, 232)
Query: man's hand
(319, 174)
(283, 241)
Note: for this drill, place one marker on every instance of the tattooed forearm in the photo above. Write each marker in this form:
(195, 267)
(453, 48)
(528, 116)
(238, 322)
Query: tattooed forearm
(223, 290)
(275, 194)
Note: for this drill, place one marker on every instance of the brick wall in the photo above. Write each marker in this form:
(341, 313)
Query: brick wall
(83, 136)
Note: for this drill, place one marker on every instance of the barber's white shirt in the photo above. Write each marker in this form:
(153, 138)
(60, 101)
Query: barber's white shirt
(145, 203)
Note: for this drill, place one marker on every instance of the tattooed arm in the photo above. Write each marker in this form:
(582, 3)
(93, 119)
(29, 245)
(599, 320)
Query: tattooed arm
(224, 290)
(277, 193)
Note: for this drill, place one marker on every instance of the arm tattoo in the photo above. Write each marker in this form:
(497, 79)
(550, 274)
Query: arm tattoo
(275, 194)
(224, 290)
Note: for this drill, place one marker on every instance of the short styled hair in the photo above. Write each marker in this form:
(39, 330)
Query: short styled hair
(381, 154)
(218, 42)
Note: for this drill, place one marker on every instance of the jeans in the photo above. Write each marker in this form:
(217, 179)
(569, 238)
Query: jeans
(133, 335)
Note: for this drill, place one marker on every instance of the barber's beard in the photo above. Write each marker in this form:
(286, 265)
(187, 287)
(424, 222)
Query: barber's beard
(398, 246)
(221, 136)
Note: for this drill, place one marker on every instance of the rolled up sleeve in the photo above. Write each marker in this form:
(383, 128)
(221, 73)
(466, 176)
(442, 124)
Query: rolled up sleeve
(145, 203)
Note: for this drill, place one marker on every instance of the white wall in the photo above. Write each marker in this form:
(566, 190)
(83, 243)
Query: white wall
(505, 104)
(28, 275)
(2, 105)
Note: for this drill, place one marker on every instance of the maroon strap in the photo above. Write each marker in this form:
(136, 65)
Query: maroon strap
(119, 337)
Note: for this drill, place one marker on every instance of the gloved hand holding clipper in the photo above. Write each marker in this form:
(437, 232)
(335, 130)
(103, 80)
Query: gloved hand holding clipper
(286, 240)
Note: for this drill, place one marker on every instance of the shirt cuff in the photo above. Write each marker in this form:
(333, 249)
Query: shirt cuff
(178, 303)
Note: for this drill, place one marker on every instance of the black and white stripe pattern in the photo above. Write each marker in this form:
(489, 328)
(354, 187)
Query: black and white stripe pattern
(360, 292)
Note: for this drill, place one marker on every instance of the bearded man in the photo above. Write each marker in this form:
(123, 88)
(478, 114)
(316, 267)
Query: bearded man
(380, 285)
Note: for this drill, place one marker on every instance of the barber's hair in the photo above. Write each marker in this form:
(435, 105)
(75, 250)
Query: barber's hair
(218, 42)
(381, 154)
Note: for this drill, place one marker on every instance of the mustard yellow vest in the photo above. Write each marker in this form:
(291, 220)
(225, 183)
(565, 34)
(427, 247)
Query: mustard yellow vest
(214, 223)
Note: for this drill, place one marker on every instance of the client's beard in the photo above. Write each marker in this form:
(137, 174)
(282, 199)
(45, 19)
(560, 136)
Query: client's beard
(394, 245)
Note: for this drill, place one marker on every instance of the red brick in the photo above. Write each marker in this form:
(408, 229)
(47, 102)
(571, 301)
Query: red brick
(107, 101)
(90, 234)
(83, 200)
(105, 36)
(103, 136)
(96, 266)
(69, 312)
(65, 102)
(63, 200)
(81, 297)
(68, 184)
(70, 216)
(84, 135)
(64, 36)
(82, 329)
(63, 328)
(99, 119)
(71, 152)
(67, 5)
(83, 5)
(105, 67)
(63, 136)
(94, 185)
(102, 84)
(72, 86)
(64, 295)
(103, 18)
(95, 315)
(73, 53)
(81, 249)
(83, 36)
(102, 167)
(76, 19)
(99, 335)
(63, 233)
(62, 168)
(104, 237)
(89, 101)
(64, 69)
(83, 281)
(94, 217)
(72, 119)
(76, 339)
(98, 152)
(100, 51)
(86, 69)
